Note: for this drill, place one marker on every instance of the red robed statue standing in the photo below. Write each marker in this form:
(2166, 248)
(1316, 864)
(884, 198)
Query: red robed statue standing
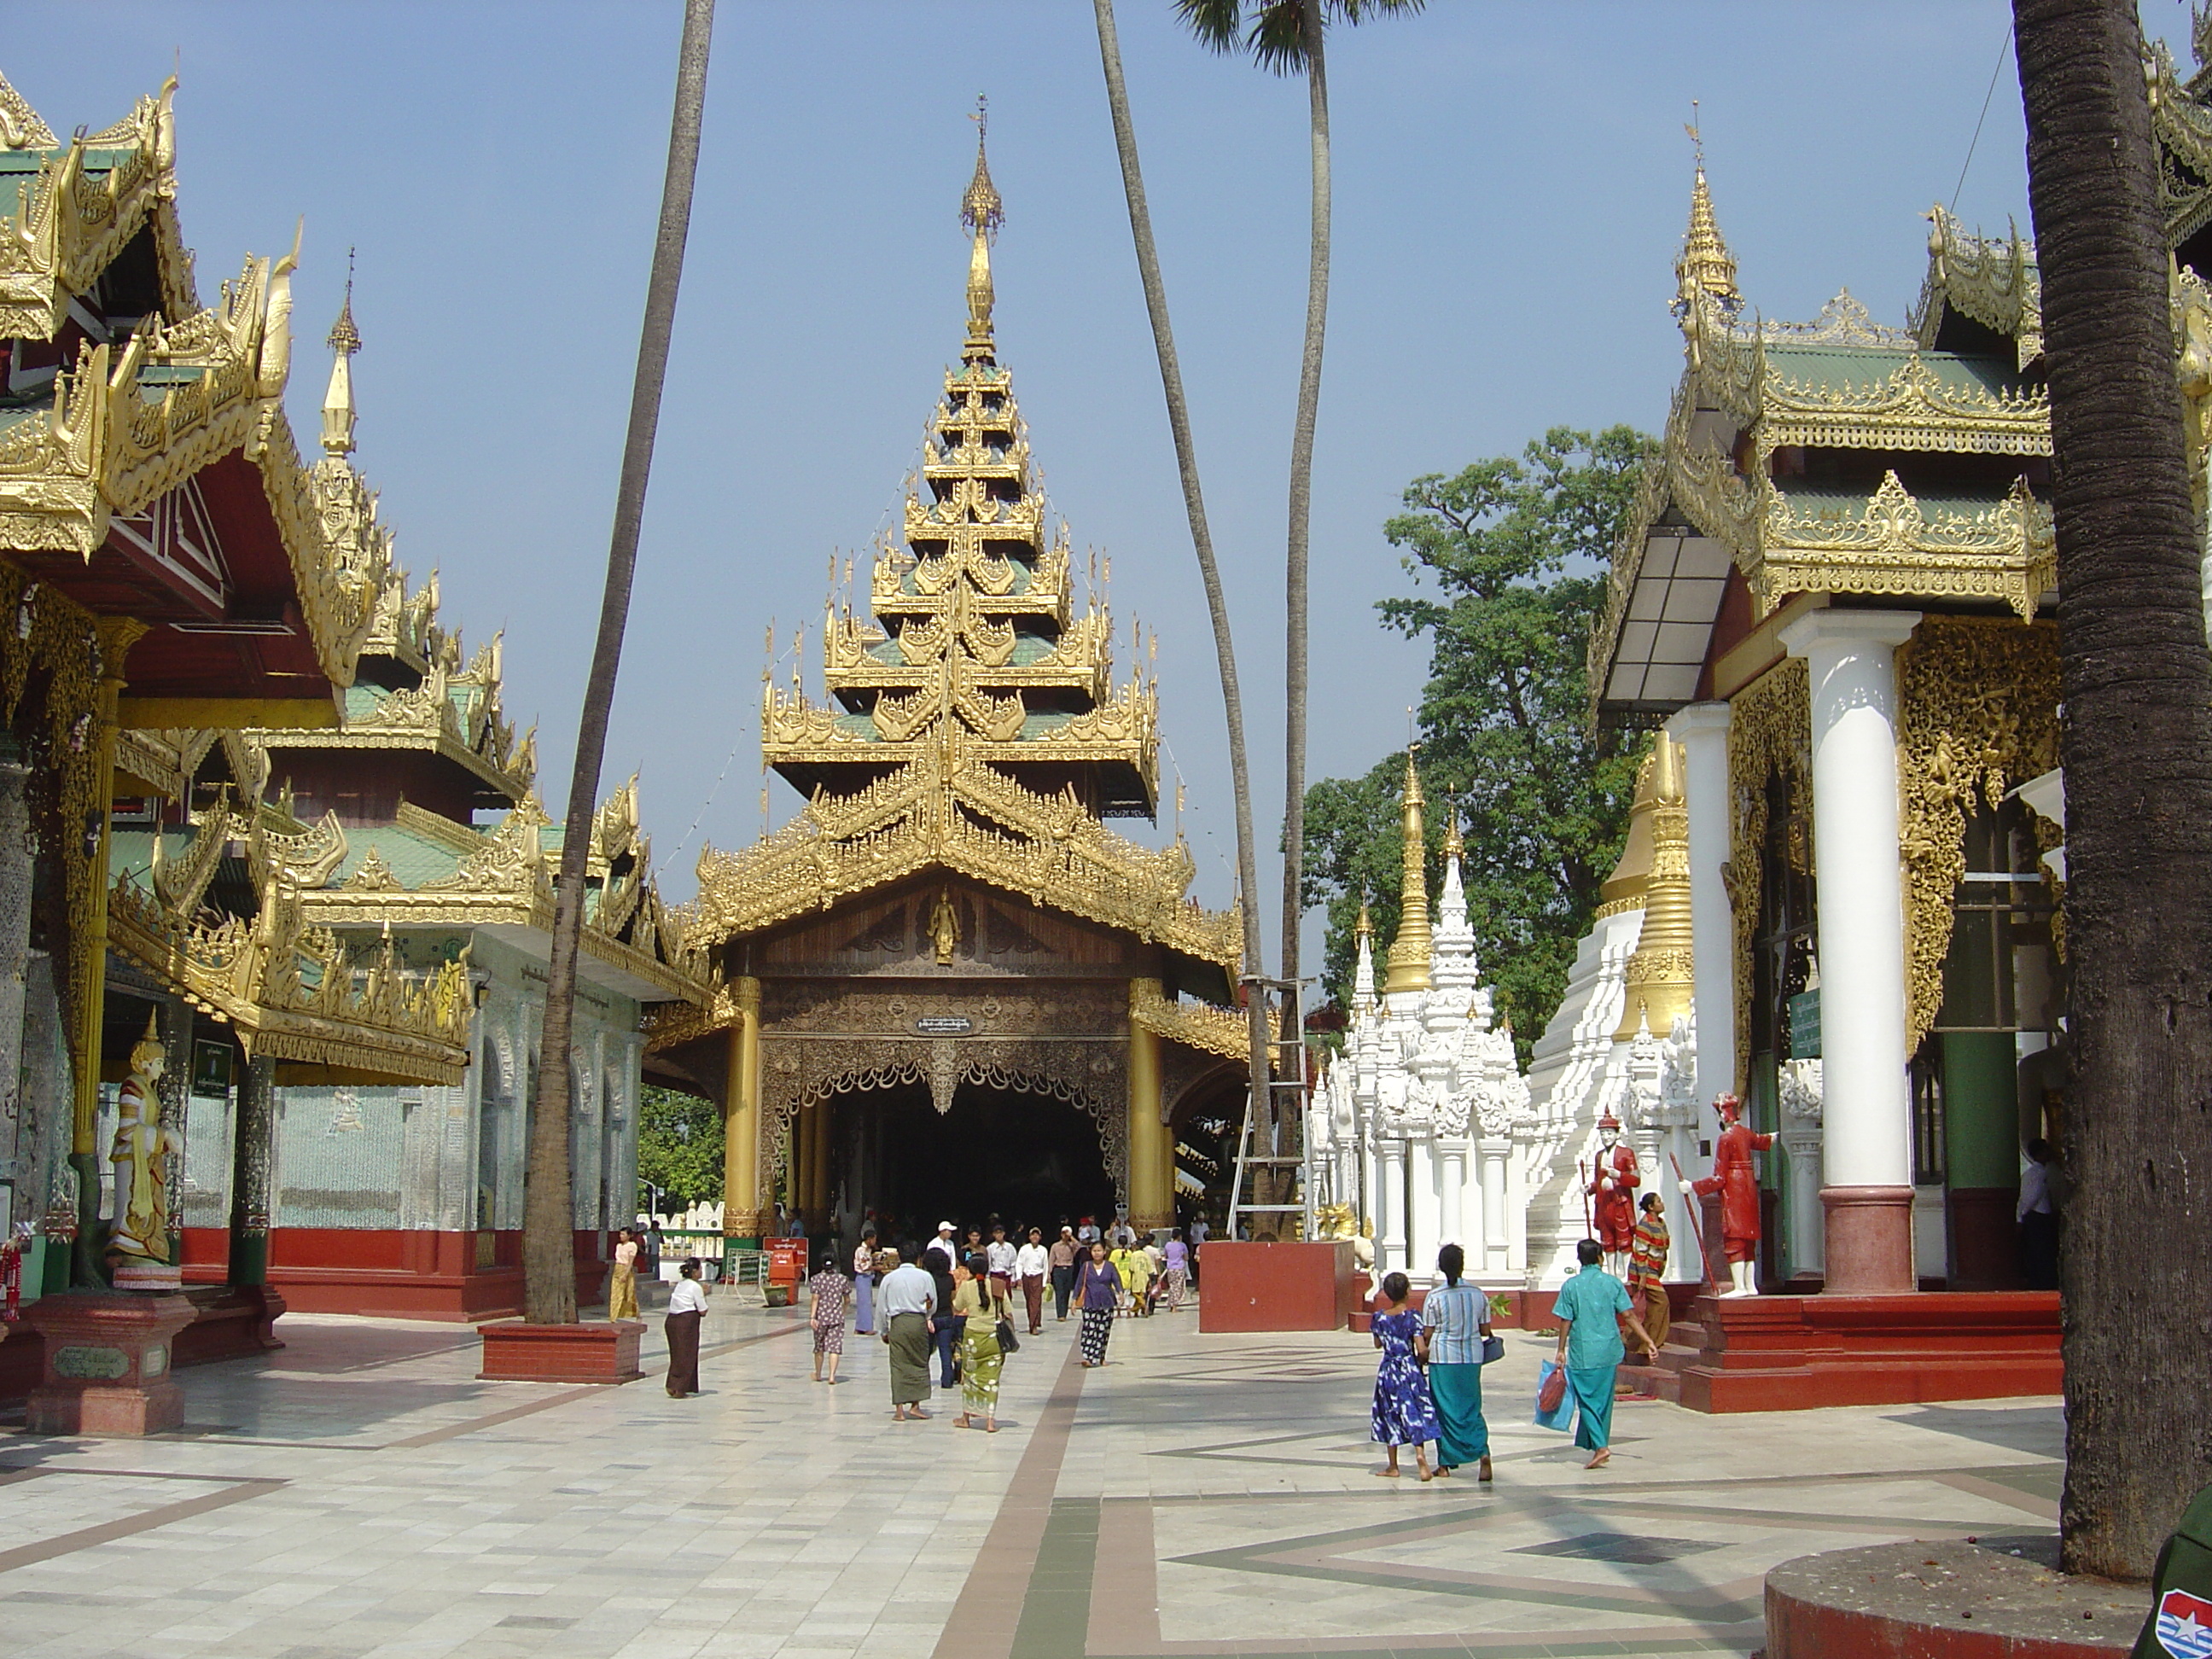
(1612, 1190)
(1736, 1181)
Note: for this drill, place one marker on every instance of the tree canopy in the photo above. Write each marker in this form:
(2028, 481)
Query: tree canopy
(1515, 549)
(679, 1146)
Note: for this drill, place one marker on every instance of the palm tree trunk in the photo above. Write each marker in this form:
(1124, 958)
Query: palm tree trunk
(2137, 748)
(1294, 564)
(549, 1285)
(1201, 539)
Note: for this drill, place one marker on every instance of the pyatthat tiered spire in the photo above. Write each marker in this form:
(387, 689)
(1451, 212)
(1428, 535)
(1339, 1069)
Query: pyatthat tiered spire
(982, 213)
(1455, 967)
(1409, 952)
(1706, 266)
(344, 339)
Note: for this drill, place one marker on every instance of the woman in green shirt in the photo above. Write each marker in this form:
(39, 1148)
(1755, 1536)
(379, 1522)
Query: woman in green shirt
(1589, 1309)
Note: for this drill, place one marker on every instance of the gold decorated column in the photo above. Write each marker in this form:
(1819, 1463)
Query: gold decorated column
(116, 634)
(817, 1165)
(741, 1220)
(1151, 1148)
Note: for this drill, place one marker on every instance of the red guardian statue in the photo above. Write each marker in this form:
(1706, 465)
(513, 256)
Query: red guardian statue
(1736, 1181)
(1615, 1177)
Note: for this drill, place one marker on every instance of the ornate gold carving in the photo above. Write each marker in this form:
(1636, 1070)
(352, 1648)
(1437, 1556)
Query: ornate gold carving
(943, 810)
(1199, 1025)
(1978, 702)
(74, 217)
(1769, 731)
(1992, 281)
(289, 988)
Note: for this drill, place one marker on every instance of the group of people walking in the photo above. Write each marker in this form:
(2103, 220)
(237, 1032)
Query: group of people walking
(1428, 1384)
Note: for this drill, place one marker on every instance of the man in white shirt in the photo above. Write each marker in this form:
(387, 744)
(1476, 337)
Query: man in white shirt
(945, 1242)
(1123, 1234)
(1031, 1263)
(999, 1257)
(904, 1301)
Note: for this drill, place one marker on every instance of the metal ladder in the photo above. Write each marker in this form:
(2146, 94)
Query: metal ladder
(1286, 1086)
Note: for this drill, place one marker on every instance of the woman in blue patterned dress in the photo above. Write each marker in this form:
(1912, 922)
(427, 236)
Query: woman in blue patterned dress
(1403, 1414)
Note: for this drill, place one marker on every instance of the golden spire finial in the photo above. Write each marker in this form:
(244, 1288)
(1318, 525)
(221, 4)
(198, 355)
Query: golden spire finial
(1365, 928)
(1707, 263)
(1454, 846)
(1410, 951)
(982, 212)
(344, 339)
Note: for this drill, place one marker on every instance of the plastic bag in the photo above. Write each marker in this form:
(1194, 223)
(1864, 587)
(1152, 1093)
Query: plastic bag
(1551, 1383)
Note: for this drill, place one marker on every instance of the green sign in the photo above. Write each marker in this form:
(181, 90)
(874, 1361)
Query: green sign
(83, 1363)
(1805, 1025)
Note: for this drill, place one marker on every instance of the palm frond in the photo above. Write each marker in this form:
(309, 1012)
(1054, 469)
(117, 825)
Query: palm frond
(1217, 23)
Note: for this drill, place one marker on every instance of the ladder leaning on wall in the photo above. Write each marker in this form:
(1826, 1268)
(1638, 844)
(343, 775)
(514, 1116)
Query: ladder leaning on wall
(1287, 1084)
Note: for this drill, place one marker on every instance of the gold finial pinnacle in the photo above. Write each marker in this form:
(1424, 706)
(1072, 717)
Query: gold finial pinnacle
(1706, 264)
(1365, 926)
(982, 212)
(344, 336)
(1409, 952)
(1454, 846)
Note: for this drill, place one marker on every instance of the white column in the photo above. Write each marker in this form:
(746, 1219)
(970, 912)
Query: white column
(1702, 730)
(1423, 1210)
(1390, 1207)
(1867, 1109)
(1451, 1163)
(1501, 1222)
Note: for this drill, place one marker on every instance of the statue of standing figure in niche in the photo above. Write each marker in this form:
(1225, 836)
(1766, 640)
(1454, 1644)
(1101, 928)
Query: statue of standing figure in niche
(944, 928)
(143, 1146)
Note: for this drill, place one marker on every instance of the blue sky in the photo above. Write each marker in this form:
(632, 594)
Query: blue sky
(1512, 187)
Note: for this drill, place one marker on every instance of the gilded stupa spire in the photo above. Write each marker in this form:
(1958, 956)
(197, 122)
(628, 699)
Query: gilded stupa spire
(1657, 981)
(1410, 951)
(982, 212)
(1706, 265)
(344, 340)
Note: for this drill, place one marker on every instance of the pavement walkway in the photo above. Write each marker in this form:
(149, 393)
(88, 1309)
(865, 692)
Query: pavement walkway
(361, 1495)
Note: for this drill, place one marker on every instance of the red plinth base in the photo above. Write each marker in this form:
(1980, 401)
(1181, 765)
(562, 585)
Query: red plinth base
(1868, 1245)
(1276, 1287)
(602, 1352)
(1766, 1353)
(107, 1363)
(1947, 1600)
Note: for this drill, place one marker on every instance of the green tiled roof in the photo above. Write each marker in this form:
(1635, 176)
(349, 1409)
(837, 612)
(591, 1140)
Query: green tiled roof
(1840, 366)
(415, 860)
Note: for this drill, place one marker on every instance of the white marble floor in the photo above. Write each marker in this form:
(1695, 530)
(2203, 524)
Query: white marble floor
(362, 1494)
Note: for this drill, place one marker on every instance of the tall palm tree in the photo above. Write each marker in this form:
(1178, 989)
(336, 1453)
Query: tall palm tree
(1288, 37)
(1201, 538)
(548, 1269)
(2137, 747)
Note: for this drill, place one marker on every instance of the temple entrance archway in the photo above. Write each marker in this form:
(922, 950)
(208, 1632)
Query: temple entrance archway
(1024, 1156)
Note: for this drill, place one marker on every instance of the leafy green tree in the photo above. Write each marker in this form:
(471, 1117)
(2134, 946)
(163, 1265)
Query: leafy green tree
(679, 1146)
(1516, 548)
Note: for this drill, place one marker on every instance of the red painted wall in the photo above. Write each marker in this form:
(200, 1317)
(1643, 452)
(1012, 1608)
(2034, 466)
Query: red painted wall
(392, 1272)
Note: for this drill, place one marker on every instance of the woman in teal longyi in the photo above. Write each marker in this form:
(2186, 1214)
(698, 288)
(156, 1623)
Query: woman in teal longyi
(1590, 1346)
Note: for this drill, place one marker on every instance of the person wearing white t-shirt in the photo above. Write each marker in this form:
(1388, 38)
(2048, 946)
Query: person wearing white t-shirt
(1031, 1263)
(687, 1308)
(999, 1257)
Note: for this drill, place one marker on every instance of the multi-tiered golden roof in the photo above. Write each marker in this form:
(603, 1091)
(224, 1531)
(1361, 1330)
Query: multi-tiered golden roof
(972, 723)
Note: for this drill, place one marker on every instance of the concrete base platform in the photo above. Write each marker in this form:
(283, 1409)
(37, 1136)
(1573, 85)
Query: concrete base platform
(1995, 1598)
(107, 1363)
(598, 1352)
(1767, 1354)
(1277, 1287)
